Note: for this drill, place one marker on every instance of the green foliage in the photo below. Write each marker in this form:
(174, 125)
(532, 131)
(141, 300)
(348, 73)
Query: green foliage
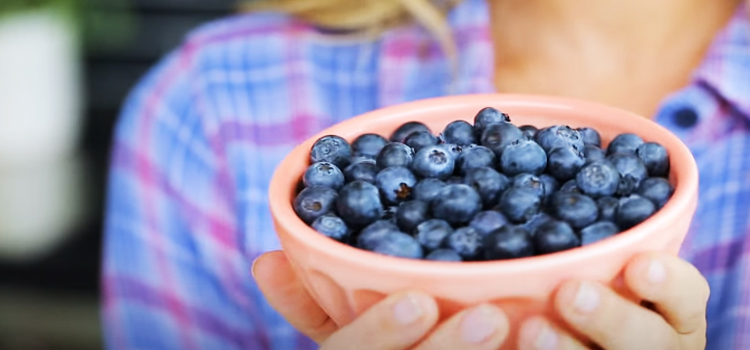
(12, 6)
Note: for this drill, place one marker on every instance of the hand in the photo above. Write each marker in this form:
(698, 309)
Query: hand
(677, 320)
(406, 320)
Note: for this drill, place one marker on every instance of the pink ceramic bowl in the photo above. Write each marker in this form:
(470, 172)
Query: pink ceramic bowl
(346, 280)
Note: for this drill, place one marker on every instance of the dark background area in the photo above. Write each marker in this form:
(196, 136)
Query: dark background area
(52, 302)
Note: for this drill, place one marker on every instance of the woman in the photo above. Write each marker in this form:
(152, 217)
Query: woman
(201, 135)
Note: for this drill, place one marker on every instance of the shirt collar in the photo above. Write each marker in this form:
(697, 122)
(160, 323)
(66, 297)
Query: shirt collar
(726, 67)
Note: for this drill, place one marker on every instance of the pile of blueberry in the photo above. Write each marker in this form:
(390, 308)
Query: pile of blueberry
(486, 191)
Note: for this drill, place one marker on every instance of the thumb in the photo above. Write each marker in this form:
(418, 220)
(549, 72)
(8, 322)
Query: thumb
(286, 294)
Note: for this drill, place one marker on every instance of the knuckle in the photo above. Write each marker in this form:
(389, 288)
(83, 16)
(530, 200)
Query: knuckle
(692, 322)
(609, 319)
(705, 290)
(670, 340)
(701, 284)
(674, 343)
(695, 341)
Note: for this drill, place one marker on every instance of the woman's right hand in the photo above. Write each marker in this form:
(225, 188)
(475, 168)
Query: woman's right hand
(406, 320)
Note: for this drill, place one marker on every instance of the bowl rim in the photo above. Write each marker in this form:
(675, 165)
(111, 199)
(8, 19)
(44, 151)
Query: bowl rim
(683, 199)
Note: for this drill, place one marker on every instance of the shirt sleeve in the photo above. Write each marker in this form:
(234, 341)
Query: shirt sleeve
(174, 273)
(719, 241)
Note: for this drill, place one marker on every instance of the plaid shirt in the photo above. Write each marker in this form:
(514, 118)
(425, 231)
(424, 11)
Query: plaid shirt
(200, 136)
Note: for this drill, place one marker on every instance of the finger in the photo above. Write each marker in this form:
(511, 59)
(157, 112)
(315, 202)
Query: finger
(286, 294)
(676, 289)
(537, 333)
(610, 320)
(481, 327)
(396, 323)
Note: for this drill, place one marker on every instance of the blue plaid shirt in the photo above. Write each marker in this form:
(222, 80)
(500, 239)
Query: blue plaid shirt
(201, 134)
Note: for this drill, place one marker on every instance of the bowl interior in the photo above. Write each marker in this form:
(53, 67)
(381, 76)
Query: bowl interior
(539, 111)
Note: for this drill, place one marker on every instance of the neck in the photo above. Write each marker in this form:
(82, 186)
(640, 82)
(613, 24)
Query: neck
(626, 53)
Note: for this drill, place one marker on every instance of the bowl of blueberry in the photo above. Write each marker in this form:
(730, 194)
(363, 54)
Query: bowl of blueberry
(479, 198)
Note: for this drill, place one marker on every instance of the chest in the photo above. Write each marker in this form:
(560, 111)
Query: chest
(261, 123)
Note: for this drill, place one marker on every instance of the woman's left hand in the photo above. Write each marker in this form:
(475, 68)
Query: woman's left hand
(677, 320)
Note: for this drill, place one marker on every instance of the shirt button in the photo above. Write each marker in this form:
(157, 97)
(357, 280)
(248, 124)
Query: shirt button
(686, 117)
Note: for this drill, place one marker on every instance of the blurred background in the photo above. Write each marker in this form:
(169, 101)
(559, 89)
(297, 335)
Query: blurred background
(65, 67)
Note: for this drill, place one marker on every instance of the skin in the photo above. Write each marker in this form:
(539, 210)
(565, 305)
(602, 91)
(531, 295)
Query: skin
(609, 51)
(628, 54)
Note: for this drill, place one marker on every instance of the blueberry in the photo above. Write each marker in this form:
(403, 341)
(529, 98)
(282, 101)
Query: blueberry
(360, 159)
(564, 162)
(453, 149)
(555, 236)
(459, 132)
(475, 157)
(465, 241)
(431, 233)
(400, 245)
(559, 136)
(633, 210)
(487, 221)
(590, 137)
(426, 189)
(655, 157)
(368, 145)
(433, 161)
(406, 129)
(529, 131)
(443, 255)
(395, 154)
(531, 181)
(578, 210)
(313, 202)
(607, 208)
(389, 214)
(624, 143)
(369, 237)
(454, 180)
(508, 242)
(456, 204)
(421, 139)
(497, 136)
(571, 187)
(359, 204)
(523, 156)
(411, 213)
(656, 189)
(536, 221)
(550, 185)
(593, 153)
(632, 172)
(488, 183)
(332, 149)
(598, 231)
(598, 179)
(395, 184)
(519, 204)
(362, 171)
(488, 116)
(323, 174)
(332, 226)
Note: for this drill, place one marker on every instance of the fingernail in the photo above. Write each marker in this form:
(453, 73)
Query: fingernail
(587, 298)
(407, 310)
(657, 273)
(480, 324)
(539, 334)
